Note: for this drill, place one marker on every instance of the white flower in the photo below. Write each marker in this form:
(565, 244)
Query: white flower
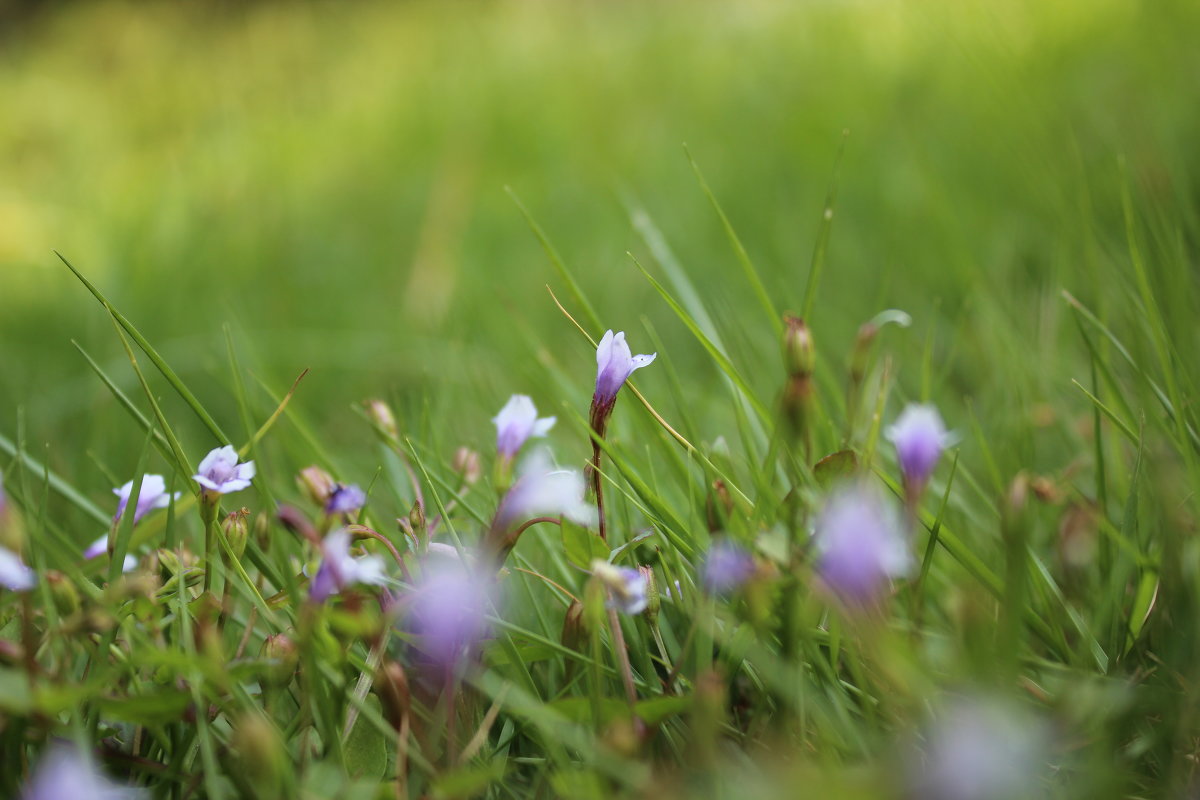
(544, 490)
(14, 575)
(516, 422)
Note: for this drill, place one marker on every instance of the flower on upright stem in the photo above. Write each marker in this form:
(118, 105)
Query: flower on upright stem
(340, 570)
(541, 490)
(919, 436)
(65, 773)
(515, 423)
(859, 545)
(14, 574)
(151, 496)
(448, 609)
(615, 362)
(218, 474)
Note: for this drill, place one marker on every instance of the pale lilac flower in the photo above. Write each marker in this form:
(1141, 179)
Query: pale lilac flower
(152, 495)
(981, 750)
(727, 567)
(339, 569)
(220, 472)
(345, 499)
(447, 611)
(66, 774)
(516, 422)
(859, 544)
(919, 437)
(14, 575)
(544, 490)
(614, 364)
(627, 587)
(100, 547)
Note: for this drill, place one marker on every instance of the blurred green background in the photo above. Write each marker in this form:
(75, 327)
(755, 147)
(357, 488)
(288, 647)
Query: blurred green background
(329, 179)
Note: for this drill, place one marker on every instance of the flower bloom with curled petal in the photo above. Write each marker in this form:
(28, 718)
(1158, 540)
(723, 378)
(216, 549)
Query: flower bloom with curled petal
(14, 574)
(614, 364)
(544, 490)
(627, 586)
(447, 610)
(66, 774)
(919, 437)
(516, 422)
(859, 545)
(339, 569)
(220, 472)
(727, 567)
(153, 495)
(345, 499)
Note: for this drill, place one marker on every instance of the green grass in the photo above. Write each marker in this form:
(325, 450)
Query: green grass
(380, 194)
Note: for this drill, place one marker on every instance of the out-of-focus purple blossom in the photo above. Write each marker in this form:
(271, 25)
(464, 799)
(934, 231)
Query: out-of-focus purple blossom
(3, 498)
(339, 569)
(727, 567)
(447, 611)
(14, 575)
(544, 490)
(153, 495)
(627, 587)
(220, 472)
(859, 544)
(345, 499)
(516, 422)
(100, 547)
(919, 437)
(614, 364)
(981, 750)
(65, 774)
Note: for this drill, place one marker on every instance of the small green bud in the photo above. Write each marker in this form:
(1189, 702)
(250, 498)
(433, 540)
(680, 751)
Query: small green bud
(261, 756)
(283, 656)
(575, 629)
(66, 597)
(237, 531)
(798, 354)
(718, 505)
(262, 531)
(653, 601)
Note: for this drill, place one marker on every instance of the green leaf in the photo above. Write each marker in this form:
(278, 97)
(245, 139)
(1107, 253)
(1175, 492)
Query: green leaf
(15, 697)
(153, 708)
(581, 545)
(835, 467)
(469, 781)
(366, 749)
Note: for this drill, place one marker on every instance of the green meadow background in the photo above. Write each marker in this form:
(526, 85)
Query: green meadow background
(329, 180)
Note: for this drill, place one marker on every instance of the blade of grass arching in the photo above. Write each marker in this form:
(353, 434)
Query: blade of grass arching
(752, 276)
(152, 354)
(1129, 532)
(717, 355)
(62, 487)
(1100, 365)
(159, 440)
(982, 441)
(124, 529)
(181, 461)
(556, 260)
(1100, 408)
(935, 529)
(821, 247)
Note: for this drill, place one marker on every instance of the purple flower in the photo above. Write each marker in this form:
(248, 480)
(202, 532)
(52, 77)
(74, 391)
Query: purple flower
(14, 575)
(727, 567)
(339, 569)
(100, 547)
(614, 365)
(626, 586)
(447, 611)
(980, 750)
(859, 544)
(153, 495)
(66, 774)
(516, 422)
(220, 472)
(920, 437)
(544, 490)
(345, 499)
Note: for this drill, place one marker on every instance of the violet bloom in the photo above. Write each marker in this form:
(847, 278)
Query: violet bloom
(14, 575)
(66, 774)
(981, 750)
(516, 422)
(919, 437)
(220, 472)
(627, 587)
(727, 567)
(447, 611)
(100, 547)
(859, 545)
(544, 490)
(339, 569)
(153, 495)
(614, 364)
(345, 499)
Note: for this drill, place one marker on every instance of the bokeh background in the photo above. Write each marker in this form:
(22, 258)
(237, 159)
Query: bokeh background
(328, 179)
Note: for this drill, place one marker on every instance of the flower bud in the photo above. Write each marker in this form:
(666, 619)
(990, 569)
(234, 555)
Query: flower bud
(381, 414)
(466, 464)
(798, 354)
(283, 656)
(66, 597)
(416, 519)
(391, 686)
(262, 531)
(653, 601)
(317, 484)
(258, 748)
(575, 628)
(718, 505)
(237, 531)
